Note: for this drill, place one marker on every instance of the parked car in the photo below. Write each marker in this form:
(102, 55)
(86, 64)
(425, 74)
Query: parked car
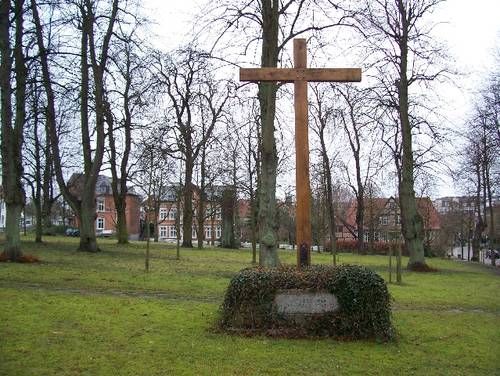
(104, 233)
(72, 231)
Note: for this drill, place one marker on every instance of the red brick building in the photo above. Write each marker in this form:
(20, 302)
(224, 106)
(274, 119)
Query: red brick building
(169, 209)
(105, 222)
(383, 219)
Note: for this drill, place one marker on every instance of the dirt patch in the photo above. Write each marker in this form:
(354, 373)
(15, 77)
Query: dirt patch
(422, 268)
(108, 292)
(24, 259)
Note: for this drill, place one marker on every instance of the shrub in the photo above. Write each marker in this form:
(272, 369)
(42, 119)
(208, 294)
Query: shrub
(347, 245)
(377, 248)
(362, 295)
(54, 230)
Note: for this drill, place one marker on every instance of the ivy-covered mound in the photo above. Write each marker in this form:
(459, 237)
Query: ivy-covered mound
(364, 313)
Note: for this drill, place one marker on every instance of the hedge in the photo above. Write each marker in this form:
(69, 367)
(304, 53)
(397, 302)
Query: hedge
(364, 313)
(378, 248)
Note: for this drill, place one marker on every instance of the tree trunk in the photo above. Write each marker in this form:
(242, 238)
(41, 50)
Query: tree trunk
(268, 254)
(47, 196)
(228, 204)
(38, 219)
(413, 224)
(12, 136)
(201, 199)
(118, 184)
(491, 233)
(12, 247)
(201, 221)
(37, 189)
(360, 220)
(330, 208)
(235, 208)
(121, 221)
(87, 216)
(480, 225)
(187, 213)
(253, 229)
(156, 220)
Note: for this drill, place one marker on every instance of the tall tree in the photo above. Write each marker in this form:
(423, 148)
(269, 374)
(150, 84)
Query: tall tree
(12, 127)
(93, 63)
(247, 151)
(400, 42)
(189, 84)
(323, 120)
(32, 156)
(273, 23)
(479, 163)
(154, 176)
(129, 92)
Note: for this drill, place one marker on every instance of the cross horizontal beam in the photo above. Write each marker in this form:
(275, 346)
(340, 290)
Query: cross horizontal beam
(301, 74)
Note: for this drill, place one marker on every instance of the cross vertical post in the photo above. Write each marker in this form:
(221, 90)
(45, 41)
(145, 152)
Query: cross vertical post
(300, 75)
(302, 183)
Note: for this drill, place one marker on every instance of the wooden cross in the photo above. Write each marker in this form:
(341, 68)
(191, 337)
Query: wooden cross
(300, 75)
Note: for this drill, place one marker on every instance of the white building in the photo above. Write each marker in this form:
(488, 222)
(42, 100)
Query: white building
(462, 204)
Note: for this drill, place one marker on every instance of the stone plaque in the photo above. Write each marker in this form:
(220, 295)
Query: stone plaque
(301, 302)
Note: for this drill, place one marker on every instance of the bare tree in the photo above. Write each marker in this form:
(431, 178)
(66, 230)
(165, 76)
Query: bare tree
(154, 176)
(130, 91)
(81, 197)
(273, 23)
(479, 164)
(323, 119)
(365, 150)
(187, 80)
(12, 126)
(400, 42)
(249, 160)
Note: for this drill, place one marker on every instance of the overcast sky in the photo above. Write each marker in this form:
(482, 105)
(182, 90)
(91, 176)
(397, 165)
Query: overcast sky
(470, 28)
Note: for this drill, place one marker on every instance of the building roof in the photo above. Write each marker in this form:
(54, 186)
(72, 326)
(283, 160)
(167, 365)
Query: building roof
(103, 185)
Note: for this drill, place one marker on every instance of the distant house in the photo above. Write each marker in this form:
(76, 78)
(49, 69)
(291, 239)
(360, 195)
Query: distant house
(462, 204)
(105, 219)
(461, 212)
(170, 209)
(383, 219)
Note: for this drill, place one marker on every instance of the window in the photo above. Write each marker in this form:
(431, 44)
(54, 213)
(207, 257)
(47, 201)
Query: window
(100, 223)
(100, 206)
(208, 232)
(384, 220)
(172, 232)
(163, 214)
(163, 231)
(340, 228)
(218, 231)
(172, 213)
(398, 219)
(218, 214)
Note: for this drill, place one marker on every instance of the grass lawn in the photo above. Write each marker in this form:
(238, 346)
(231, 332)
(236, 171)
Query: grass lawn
(100, 314)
